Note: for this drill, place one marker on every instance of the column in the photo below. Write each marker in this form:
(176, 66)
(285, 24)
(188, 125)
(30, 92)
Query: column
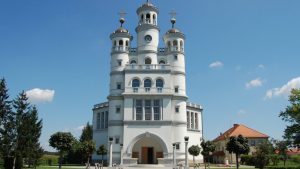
(110, 151)
(121, 147)
(186, 141)
(174, 156)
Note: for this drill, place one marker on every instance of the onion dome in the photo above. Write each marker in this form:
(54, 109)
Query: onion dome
(147, 6)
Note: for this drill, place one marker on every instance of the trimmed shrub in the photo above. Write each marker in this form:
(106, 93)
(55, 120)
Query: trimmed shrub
(248, 160)
(49, 160)
(295, 159)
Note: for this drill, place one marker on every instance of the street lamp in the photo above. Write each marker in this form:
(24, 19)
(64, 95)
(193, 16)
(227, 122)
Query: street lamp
(121, 149)
(110, 141)
(186, 141)
(174, 156)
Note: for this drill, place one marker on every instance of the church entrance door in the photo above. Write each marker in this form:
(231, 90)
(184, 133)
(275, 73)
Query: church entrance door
(147, 155)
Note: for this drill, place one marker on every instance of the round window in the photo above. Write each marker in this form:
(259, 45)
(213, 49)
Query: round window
(148, 38)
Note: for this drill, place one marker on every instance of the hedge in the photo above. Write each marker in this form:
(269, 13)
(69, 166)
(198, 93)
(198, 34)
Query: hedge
(282, 167)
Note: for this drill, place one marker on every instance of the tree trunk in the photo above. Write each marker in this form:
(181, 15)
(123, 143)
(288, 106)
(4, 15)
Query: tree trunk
(14, 163)
(237, 160)
(60, 160)
(102, 160)
(194, 160)
(204, 162)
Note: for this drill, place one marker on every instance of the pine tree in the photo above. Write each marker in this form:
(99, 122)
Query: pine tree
(22, 111)
(87, 133)
(7, 126)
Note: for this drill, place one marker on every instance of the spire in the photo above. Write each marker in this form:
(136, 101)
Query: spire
(173, 19)
(122, 20)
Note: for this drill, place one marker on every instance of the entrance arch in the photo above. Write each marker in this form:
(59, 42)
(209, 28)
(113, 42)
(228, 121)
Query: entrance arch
(147, 148)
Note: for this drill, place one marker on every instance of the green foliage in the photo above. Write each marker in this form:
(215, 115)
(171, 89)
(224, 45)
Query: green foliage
(207, 147)
(87, 148)
(282, 167)
(291, 115)
(262, 153)
(194, 150)
(49, 160)
(238, 145)
(295, 159)
(102, 150)
(274, 158)
(247, 159)
(282, 147)
(62, 141)
(87, 133)
(20, 130)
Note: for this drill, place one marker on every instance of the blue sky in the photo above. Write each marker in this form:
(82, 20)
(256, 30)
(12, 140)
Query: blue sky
(242, 57)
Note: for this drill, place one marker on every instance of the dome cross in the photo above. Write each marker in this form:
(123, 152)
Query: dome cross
(122, 15)
(173, 19)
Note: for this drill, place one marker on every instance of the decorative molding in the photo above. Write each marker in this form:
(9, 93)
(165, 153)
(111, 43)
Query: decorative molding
(143, 27)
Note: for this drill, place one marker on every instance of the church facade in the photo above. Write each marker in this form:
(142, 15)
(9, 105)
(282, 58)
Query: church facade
(147, 111)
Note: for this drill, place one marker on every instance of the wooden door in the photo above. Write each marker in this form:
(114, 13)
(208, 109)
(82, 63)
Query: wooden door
(144, 155)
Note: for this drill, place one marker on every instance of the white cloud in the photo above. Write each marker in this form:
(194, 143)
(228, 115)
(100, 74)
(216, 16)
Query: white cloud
(254, 83)
(285, 90)
(241, 112)
(216, 64)
(79, 128)
(37, 95)
(261, 66)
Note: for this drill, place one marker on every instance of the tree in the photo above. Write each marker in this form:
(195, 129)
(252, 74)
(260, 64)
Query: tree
(87, 133)
(61, 141)
(7, 127)
(282, 147)
(102, 150)
(291, 115)
(207, 147)
(87, 148)
(22, 113)
(262, 154)
(238, 145)
(194, 150)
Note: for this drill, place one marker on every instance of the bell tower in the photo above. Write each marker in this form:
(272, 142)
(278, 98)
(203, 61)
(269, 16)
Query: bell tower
(147, 33)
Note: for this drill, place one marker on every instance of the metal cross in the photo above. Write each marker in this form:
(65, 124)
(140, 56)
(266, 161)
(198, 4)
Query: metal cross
(122, 14)
(173, 13)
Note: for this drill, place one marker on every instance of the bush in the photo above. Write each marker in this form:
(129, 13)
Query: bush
(295, 159)
(282, 167)
(49, 160)
(247, 159)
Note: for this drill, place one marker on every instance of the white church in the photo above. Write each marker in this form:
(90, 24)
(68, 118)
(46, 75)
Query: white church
(147, 115)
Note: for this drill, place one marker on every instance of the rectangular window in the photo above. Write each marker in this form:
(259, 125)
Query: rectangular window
(117, 140)
(196, 121)
(98, 121)
(177, 146)
(118, 109)
(106, 119)
(139, 109)
(192, 121)
(102, 120)
(119, 86)
(148, 111)
(188, 120)
(156, 108)
(176, 89)
(175, 57)
(177, 109)
(120, 62)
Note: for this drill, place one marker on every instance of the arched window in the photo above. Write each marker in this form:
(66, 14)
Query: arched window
(142, 17)
(162, 62)
(135, 83)
(121, 42)
(169, 44)
(181, 44)
(115, 43)
(154, 17)
(148, 16)
(147, 61)
(159, 83)
(175, 43)
(127, 43)
(147, 83)
(132, 62)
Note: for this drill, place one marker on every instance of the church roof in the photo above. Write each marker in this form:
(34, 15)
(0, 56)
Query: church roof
(239, 129)
(147, 6)
(173, 30)
(121, 30)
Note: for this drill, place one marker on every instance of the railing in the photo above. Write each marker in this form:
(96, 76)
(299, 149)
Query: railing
(193, 105)
(149, 90)
(147, 67)
(105, 104)
(120, 48)
(175, 49)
